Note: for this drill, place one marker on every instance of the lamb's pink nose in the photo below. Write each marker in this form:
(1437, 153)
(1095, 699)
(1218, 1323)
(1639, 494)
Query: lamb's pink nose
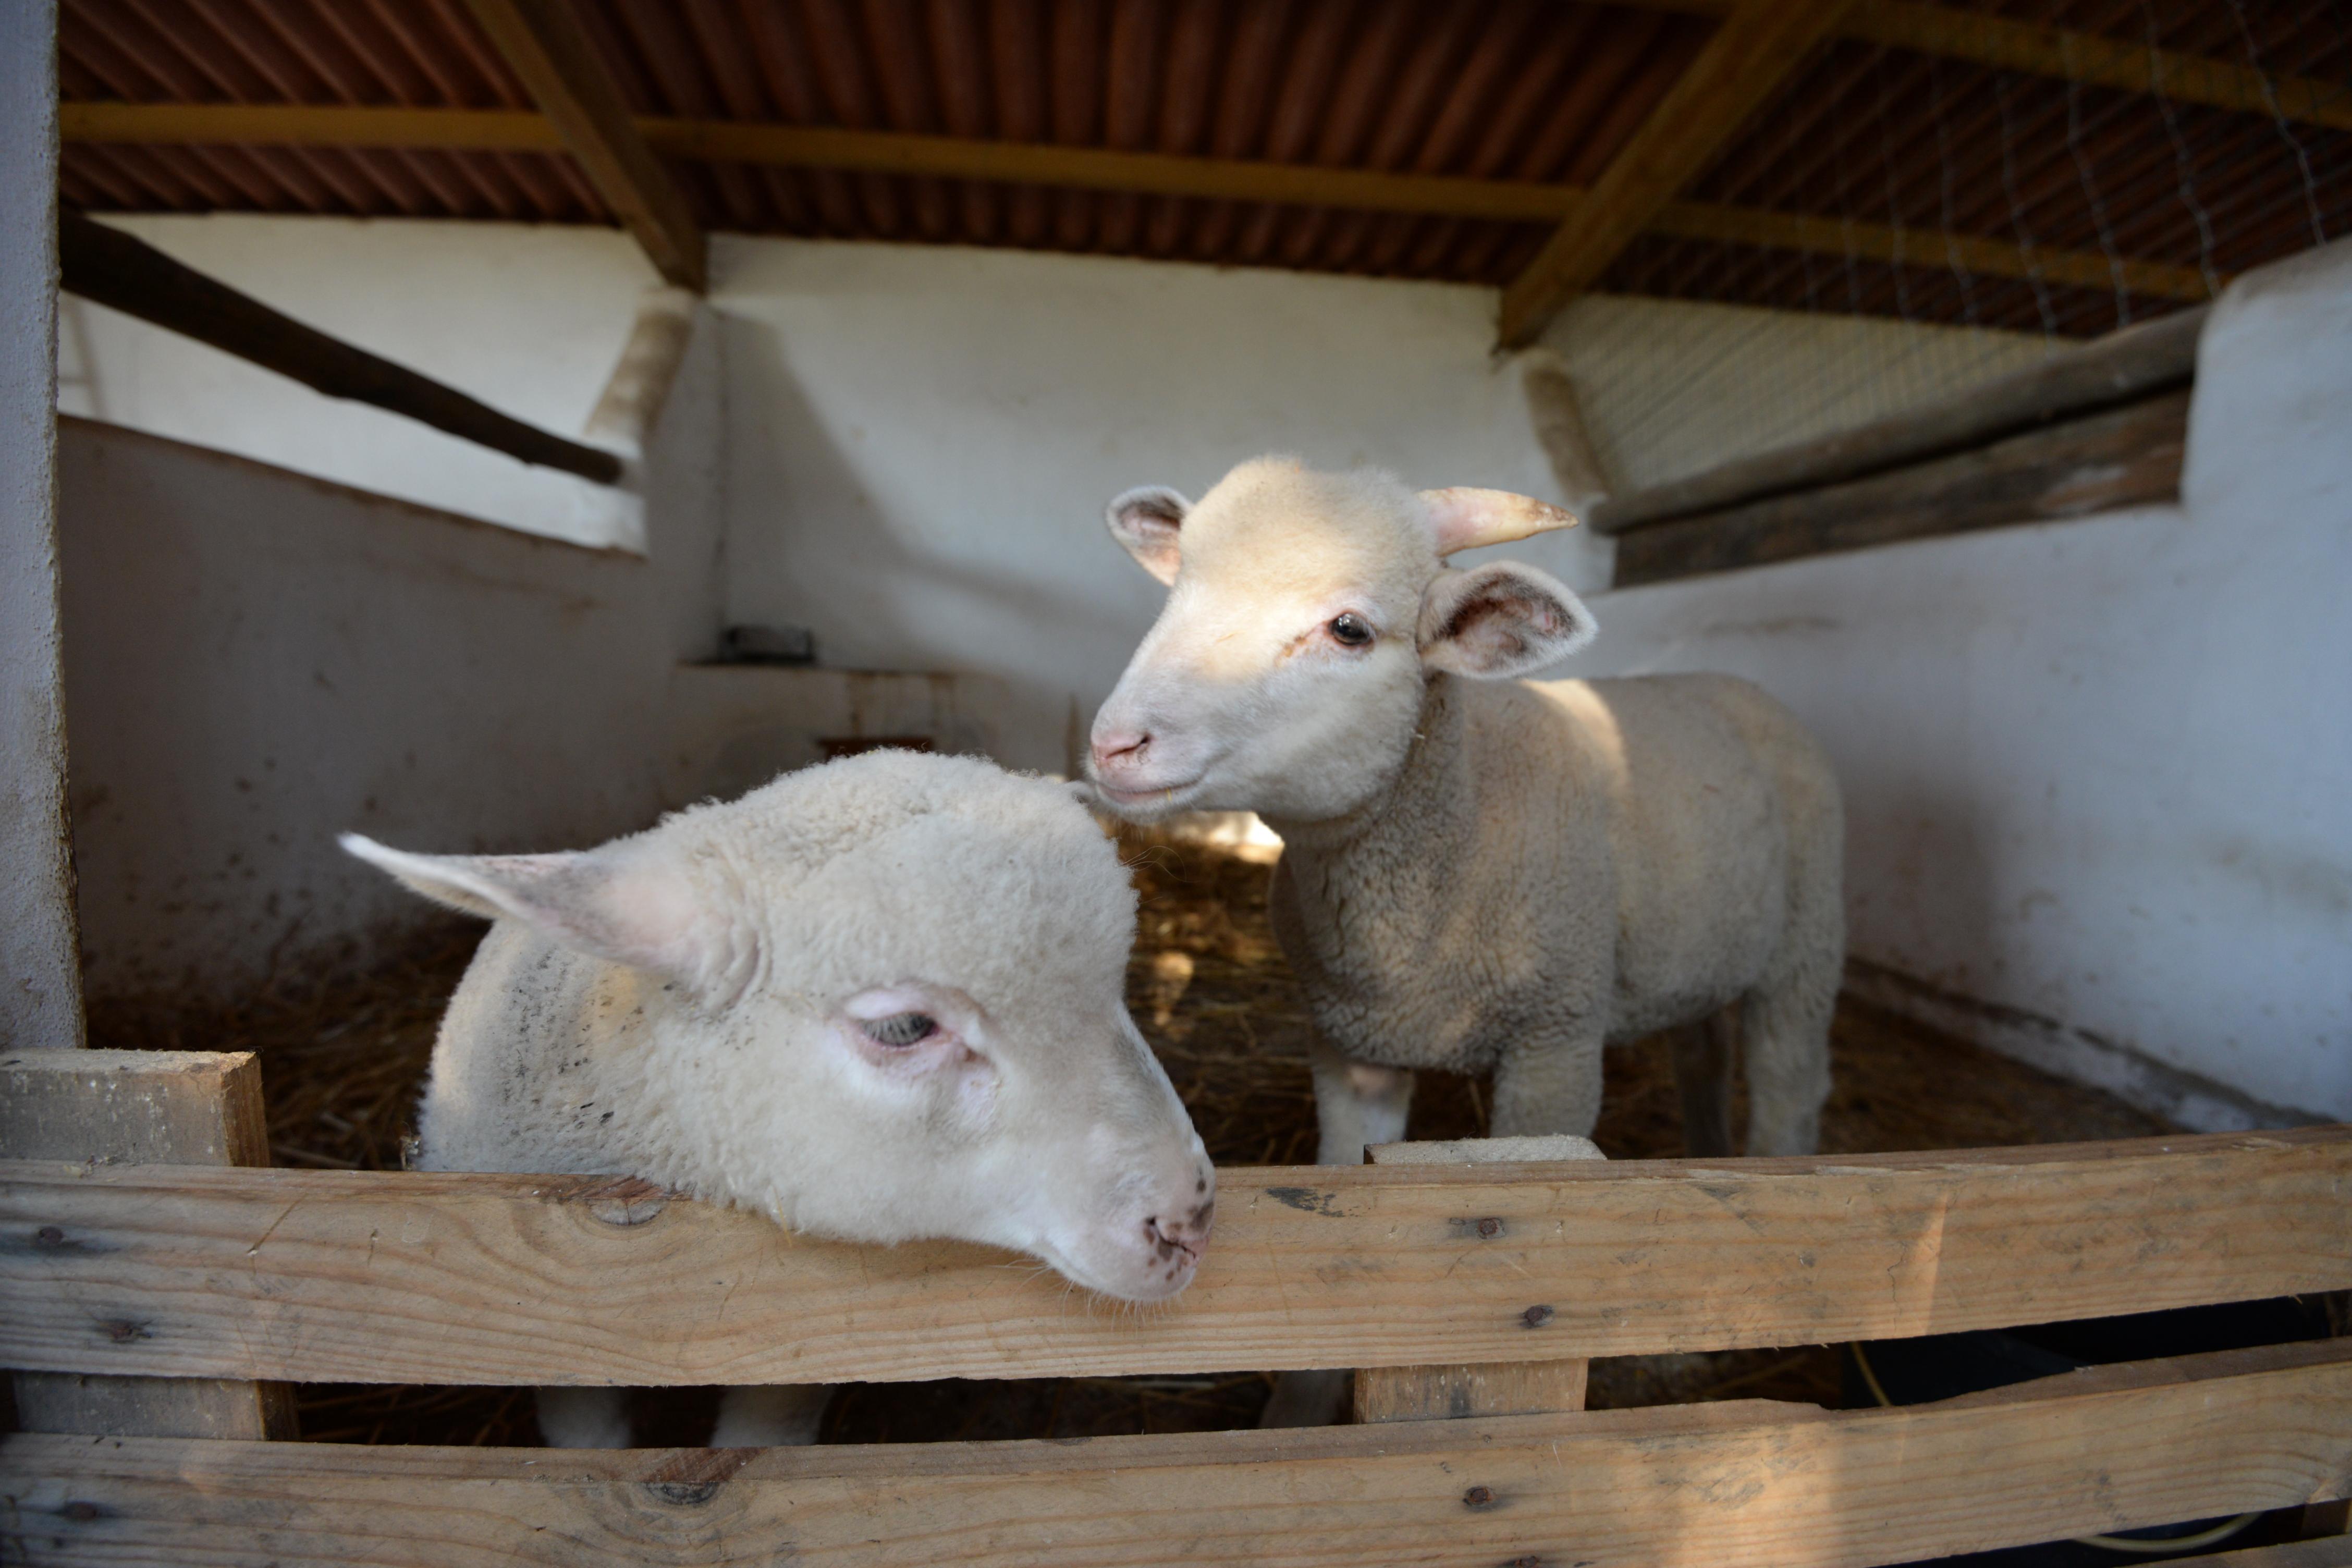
(1119, 749)
(1189, 1235)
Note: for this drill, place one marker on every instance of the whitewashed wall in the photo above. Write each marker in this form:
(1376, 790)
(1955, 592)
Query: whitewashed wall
(527, 318)
(2099, 774)
(39, 999)
(2096, 767)
(256, 661)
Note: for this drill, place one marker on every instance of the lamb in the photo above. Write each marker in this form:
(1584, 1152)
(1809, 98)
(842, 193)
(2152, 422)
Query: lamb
(1479, 873)
(877, 1000)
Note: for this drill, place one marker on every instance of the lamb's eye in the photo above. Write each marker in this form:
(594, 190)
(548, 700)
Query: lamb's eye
(900, 1028)
(1349, 630)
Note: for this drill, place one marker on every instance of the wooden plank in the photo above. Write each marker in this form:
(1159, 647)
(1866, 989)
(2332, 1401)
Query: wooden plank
(1457, 1392)
(2007, 45)
(2122, 367)
(1083, 168)
(430, 1277)
(1749, 55)
(543, 41)
(1745, 1485)
(134, 1107)
(2126, 456)
(127, 274)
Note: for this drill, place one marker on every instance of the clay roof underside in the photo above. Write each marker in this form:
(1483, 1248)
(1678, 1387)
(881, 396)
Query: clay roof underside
(1866, 133)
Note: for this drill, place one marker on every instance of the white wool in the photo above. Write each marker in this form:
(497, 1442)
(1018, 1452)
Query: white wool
(1480, 873)
(685, 1005)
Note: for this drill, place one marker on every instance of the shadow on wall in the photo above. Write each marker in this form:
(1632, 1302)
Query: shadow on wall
(880, 599)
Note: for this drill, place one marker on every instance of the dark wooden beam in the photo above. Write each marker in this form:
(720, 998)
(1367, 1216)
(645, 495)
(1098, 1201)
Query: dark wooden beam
(117, 270)
(2126, 456)
(543, 41)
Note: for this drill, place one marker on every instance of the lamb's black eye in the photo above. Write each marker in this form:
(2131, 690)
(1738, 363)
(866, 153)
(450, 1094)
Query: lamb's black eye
(900, 1028)
(1349, 630)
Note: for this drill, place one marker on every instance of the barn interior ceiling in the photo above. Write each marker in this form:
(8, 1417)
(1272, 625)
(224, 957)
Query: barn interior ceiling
(2062, 166)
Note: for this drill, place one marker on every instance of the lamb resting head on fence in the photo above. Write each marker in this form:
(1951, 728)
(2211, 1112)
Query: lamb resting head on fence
(1479, 873)
(878, 1000)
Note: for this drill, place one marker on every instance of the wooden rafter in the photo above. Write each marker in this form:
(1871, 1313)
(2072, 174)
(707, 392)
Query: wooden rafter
(1747, 57)
(543, 41)
(1997, 41)
(1521, 201)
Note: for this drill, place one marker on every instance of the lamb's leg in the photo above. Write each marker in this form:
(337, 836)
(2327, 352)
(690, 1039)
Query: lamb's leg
(1355, 1106)
(1703, 1053)
(584, 1418)
(1549, 1084)
(770, 1415)
(1786, 1030)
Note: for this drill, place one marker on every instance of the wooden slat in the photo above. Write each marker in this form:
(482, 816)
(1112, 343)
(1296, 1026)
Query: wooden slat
(1745, 1485)
(125, 273)
(1456, 1393)
(2007, 45)
(2123, 367)
(2128, 456)
(340, 1276)
(136, 1108)
(1088, 168)
(132, 1108)
(1749, 55)
(543, 41)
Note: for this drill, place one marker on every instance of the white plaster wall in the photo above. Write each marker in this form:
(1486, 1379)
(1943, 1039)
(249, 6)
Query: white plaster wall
(256, 661)
(2097, 771)
(527, 318)
(40, 1002)
(921, 440)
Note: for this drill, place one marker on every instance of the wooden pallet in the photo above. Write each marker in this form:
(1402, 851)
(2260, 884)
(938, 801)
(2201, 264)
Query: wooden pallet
(246, 1278)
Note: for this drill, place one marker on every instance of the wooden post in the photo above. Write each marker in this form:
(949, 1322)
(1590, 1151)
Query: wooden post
(1450, 1393)
(178, 1108)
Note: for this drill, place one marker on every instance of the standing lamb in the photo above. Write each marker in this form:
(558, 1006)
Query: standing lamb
(877, 1000)
(1479, 874)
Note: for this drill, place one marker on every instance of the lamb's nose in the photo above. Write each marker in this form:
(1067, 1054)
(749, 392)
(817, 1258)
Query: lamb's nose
(1120, 748)
(1189, 1236)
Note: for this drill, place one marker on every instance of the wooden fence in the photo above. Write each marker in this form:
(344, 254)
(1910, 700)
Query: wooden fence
(122, 1283)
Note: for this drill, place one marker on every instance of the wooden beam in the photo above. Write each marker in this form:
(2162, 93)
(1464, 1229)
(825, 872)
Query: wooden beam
(431, 1277)
(543, 41)
(126, 274)
(2123, 367)
(2126, 456)
(1085, 168)
(1750, 1484)
(1747, 58)
(137, 1108)
(1931, 249)
(1983, 38)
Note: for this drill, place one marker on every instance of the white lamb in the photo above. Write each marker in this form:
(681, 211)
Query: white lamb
(1479, 873)
(877, 1000)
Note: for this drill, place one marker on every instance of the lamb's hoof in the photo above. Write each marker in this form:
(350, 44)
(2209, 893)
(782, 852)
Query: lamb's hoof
(770, 1416)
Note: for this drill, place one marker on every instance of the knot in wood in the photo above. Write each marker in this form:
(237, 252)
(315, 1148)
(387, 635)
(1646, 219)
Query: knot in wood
(1537, 1315)
(1478, 1497)
(49, 1235)
(683, 1494)
(625, 1201)
(80, 1512)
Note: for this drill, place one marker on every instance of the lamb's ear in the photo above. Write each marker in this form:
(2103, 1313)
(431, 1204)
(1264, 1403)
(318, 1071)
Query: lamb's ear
(1500, 619)
(1147, 520)
(631, 903)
